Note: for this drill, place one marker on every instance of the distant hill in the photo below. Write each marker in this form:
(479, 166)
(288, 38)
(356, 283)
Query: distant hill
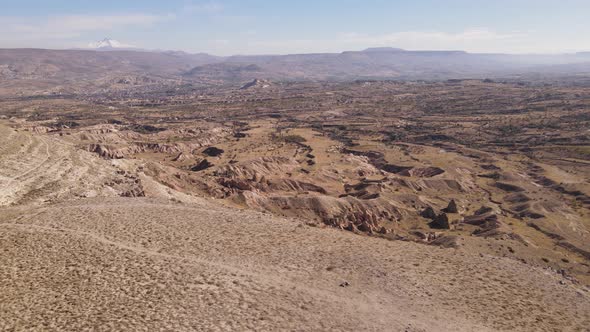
(392, 63)
(68, 68)
(383, 49)
(91, 68)
(225, 71)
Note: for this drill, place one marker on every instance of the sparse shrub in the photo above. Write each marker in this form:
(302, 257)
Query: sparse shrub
(509, 130)
(294, 139)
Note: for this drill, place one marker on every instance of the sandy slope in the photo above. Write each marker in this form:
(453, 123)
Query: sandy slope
(41, 168)
(141, 264)
(74, 263)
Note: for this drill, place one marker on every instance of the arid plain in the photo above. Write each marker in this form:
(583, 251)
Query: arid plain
(155, 204)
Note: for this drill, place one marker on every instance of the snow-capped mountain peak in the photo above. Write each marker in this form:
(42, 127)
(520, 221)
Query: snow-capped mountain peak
(108, 43)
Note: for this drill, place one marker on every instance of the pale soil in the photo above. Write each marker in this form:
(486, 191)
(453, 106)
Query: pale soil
(110, 263)
(40, 168)
(146, 264)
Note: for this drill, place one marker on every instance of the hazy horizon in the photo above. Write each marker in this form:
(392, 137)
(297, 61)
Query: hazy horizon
(229, 27)
(140, 49)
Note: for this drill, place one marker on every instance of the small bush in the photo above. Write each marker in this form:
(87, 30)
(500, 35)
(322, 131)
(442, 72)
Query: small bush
(294, 139)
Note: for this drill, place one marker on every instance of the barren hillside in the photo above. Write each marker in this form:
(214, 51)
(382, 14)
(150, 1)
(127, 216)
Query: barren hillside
(77, 255)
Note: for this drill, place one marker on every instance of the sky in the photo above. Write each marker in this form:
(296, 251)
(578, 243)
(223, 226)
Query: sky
(228, 27)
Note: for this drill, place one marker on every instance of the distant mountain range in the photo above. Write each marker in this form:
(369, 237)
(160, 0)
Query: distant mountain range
(390, 63)
(117, 59)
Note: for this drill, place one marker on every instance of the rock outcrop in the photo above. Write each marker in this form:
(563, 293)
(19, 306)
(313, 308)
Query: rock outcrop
(441, 222)
(213, 151)
(428, 213)
(203, 165)
(256, 83)
(452, 207)
(347, 213)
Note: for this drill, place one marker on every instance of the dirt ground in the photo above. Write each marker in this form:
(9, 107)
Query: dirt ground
(142, 264)
(76, 255)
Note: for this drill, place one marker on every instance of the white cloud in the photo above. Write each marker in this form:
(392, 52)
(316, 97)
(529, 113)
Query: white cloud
(26, 30)
(476, 39)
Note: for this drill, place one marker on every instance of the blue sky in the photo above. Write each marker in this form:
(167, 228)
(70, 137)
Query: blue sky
(271, 27)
